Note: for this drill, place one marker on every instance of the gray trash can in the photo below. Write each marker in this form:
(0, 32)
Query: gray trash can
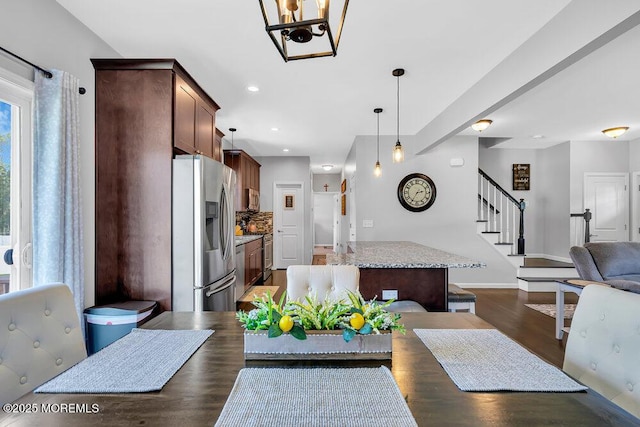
(108, 323)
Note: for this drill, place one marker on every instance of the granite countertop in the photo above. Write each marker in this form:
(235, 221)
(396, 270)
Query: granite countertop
(241, 240)
(399, 255)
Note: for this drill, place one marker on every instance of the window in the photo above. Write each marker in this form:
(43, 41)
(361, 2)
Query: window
(16, 100)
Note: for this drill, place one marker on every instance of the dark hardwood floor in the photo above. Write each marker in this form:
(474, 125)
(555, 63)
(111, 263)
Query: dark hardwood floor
(503, 308)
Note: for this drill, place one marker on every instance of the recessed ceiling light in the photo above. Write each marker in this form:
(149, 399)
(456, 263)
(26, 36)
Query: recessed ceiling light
(327, 167)
(253, 88)
(286, 150)
(537, 136)
(275, 129)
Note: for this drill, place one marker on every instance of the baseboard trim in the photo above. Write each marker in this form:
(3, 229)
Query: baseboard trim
(488, 285)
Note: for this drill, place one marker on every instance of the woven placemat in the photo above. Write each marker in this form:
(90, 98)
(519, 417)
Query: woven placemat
(144, 360)
(488, 360)
(316, 397)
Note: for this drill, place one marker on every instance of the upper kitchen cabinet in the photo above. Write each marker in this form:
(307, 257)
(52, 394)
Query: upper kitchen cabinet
(195, 120)
(147, 111)
(248, 179)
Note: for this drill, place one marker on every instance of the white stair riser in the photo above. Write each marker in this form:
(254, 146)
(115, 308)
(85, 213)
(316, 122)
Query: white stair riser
(561, 272)
(537, 286)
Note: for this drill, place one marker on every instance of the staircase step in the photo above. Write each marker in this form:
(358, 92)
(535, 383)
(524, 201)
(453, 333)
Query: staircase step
(491, 232)
(482, 220)
(538, 284)
(544, 272)
(522, 255)
(504, 243)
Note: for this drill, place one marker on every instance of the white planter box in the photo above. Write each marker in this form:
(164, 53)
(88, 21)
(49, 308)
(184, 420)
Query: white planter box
(319, 345)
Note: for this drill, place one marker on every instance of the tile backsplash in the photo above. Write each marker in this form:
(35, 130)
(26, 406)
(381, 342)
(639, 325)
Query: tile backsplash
(263, 220)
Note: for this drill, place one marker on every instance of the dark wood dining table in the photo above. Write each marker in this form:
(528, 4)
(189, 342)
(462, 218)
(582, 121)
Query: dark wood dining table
(198, 391)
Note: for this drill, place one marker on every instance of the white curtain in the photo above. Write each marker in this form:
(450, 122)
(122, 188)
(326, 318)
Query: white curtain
(57, 219)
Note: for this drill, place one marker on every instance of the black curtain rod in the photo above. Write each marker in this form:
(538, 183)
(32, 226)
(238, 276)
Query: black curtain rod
(47, 73)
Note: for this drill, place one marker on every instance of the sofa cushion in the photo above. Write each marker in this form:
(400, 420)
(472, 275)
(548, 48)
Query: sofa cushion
(583, 261)
(616, 260)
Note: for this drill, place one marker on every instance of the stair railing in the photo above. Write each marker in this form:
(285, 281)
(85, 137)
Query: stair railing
(580, 226)
(501, 211)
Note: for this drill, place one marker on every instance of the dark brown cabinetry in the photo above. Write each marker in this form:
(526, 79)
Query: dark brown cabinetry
(252, 262)
(248, 178)
(217, 145)
(146, 111)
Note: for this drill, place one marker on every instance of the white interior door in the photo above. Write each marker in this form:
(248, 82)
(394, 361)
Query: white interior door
(607, 196)
(288, 224)
(16, 99)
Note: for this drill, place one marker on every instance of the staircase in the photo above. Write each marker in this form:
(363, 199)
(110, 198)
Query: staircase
(501, 223)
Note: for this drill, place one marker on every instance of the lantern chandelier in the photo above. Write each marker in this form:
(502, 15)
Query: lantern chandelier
(292, 27)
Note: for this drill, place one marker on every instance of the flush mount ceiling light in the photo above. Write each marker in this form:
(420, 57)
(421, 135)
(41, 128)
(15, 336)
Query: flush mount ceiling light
(327, 167)
(289, 31)
(377, 170)
(481, 125)
(616, 132)
(398, 152)
(253, 88)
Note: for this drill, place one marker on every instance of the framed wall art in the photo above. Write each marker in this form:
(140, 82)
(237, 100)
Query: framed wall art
(289, 201)
(343, 204)
(521, 176)
(343, 186)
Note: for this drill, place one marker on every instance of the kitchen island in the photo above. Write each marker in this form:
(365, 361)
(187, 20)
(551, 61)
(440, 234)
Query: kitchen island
(415, 271)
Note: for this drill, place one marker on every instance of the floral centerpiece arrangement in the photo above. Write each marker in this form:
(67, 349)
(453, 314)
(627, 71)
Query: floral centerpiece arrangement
(353, 317)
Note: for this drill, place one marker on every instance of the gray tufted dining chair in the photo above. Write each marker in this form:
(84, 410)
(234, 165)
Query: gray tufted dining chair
(40, 337)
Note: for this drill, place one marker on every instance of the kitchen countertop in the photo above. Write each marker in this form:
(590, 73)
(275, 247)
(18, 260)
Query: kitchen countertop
(241, 240)
(399, 255)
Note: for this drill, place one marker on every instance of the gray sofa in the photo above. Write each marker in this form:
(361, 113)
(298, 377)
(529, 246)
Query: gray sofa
(614, 263)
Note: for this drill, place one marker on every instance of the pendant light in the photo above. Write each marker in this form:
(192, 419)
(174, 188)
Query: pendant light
(232, 130)
(377, 170)
(398, 151)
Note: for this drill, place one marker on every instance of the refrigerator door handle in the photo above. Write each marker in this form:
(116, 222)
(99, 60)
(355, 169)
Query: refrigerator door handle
(222, 288)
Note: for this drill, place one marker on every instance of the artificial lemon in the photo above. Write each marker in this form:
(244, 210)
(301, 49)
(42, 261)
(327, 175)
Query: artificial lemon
(357, 321)
(286, 323)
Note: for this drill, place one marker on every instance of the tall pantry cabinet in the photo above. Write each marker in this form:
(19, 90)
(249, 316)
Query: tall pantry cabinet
(147, 111)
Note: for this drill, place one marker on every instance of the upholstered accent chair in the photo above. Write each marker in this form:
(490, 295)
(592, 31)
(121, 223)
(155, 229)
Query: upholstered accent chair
(40, 337)
(604, 343)
(333, 282)
(614, 263)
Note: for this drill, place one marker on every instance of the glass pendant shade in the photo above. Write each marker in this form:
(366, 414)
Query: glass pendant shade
(398, 151)
(377, 170)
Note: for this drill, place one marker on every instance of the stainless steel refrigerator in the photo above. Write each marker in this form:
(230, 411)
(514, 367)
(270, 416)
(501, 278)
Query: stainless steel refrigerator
(204, 270)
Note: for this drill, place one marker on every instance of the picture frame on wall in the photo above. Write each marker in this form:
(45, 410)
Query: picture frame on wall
(343, 186)
(289, 201)
(343, 204)
(521, 176)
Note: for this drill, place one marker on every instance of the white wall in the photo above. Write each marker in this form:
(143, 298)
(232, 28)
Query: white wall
(288, 169)
(449, 225)
(323, 218)
(634, 155)
(333, 181)
(46, 34)
(554, 200)
(498, 163)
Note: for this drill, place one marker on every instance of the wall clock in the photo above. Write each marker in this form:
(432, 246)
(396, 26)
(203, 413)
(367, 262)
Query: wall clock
(416, 192)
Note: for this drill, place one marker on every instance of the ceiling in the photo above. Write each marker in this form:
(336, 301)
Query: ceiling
(449, 49)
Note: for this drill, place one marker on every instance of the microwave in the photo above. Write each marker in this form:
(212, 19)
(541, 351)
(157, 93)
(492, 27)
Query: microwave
(253, 199)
